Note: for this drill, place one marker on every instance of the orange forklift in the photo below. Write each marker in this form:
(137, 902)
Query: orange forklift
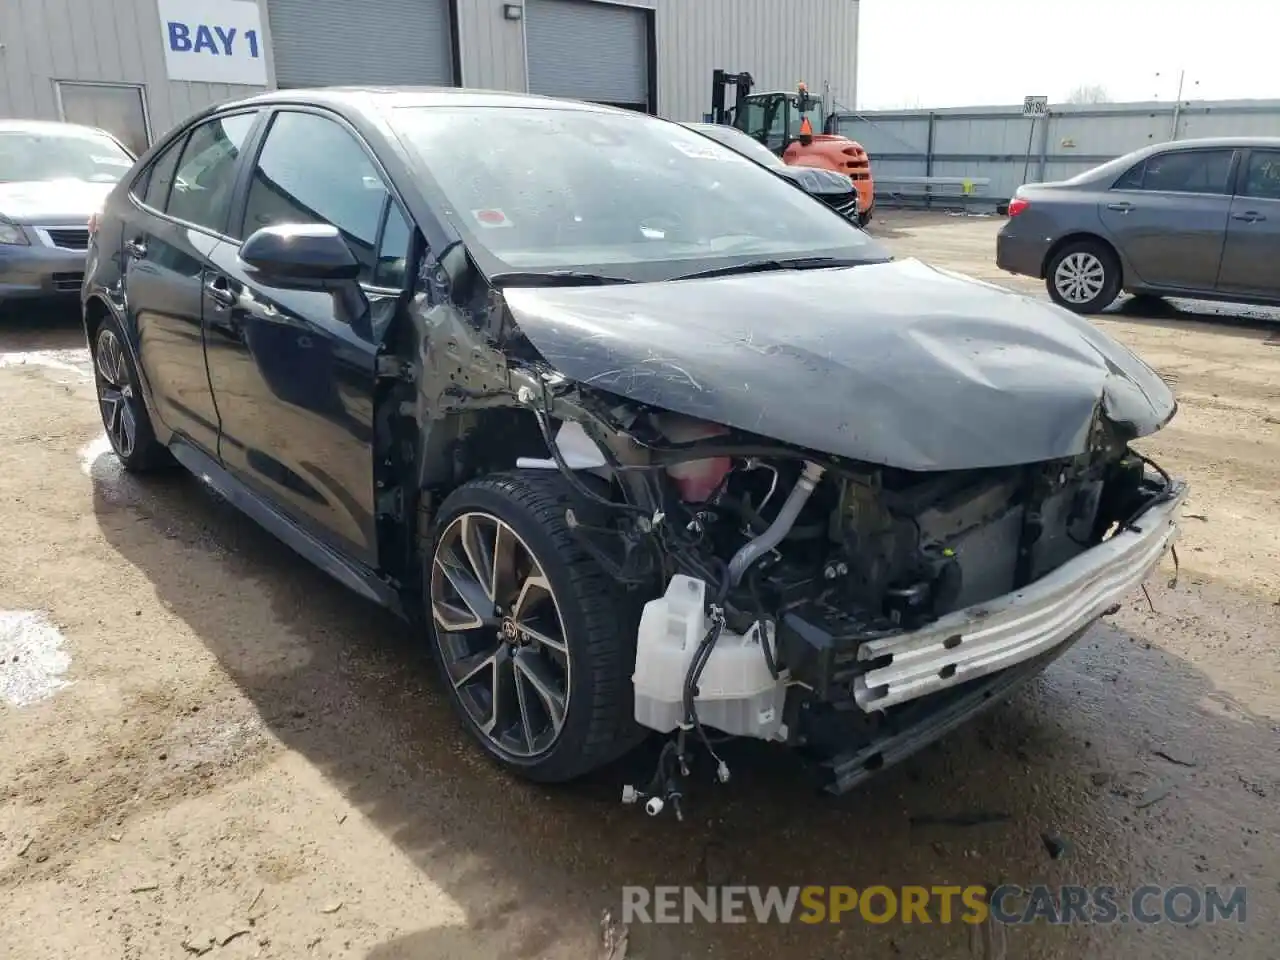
(784, 122)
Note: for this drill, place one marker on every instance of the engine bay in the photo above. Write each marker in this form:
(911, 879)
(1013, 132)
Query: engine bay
(767, 573)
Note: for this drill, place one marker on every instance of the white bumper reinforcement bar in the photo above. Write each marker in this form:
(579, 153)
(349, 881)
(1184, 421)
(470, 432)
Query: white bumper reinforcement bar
(987, 637)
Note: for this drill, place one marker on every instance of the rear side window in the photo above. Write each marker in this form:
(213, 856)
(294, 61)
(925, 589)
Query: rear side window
(153, 189)
(1262, 176)
(313, 170)
(205, 178)
(1132, 180)
(1182, 171)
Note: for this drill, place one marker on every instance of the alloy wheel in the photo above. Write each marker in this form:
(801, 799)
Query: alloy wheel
(116, 395)
(501, 634)
(1080, 277)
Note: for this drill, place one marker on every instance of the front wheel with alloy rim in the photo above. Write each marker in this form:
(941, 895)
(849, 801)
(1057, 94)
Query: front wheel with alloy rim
(124, 414)
(534, 641)
(1084, 277)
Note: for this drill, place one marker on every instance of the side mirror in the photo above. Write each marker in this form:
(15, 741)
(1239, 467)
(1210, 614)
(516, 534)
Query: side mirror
(308, 251)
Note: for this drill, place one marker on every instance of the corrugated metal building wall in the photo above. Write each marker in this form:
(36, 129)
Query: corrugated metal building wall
(779, 42)
(1000, 144)
(45, 43)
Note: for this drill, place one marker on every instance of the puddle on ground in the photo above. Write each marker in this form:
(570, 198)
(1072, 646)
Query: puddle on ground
(32, 657)
(75, 362)
(100, 464)
(99, 461)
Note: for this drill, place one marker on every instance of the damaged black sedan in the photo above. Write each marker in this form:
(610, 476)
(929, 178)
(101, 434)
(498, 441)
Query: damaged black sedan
(643, 438)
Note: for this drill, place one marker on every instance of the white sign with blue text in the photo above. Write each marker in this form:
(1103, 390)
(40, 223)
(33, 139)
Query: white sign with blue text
(214, 41)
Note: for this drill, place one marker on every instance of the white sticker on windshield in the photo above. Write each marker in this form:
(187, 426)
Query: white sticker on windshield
(707, 151)
(490, 218)
(112, 161)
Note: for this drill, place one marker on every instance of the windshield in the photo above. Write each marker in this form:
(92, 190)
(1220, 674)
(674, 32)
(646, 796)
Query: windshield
(627, 195)
(28, 155)
(796, 118)
(744, 144)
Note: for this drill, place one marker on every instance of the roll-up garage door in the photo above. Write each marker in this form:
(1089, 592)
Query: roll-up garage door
(588, 51)
(336, 42)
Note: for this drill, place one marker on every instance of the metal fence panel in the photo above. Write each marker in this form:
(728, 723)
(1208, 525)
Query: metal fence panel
(1002, 146)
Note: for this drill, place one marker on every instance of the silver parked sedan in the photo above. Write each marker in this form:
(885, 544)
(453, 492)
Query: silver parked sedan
(1195, 218)
(53, 177)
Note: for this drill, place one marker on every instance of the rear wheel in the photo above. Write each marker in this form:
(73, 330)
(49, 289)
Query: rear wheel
(1083, 276)
(124, 414)
(533, 639)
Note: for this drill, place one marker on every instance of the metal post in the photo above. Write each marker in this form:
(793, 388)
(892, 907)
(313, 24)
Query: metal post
(1177, 105)
(1044, 145)
(1026, 160)
(928, 158)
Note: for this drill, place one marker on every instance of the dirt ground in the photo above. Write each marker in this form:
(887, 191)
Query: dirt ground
(242, 760)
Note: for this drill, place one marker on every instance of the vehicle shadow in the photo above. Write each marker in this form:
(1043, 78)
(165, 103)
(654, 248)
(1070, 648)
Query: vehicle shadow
(533, 868)
(1178, 314)
(53, 326)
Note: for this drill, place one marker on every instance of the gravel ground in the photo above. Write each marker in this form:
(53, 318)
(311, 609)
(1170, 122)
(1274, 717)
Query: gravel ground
(208, 748)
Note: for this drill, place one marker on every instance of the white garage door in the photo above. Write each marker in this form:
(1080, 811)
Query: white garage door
(588, 51)
(321, 43)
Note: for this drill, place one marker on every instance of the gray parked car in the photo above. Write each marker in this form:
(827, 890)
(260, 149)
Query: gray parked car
(1195, 218)
(53, 177)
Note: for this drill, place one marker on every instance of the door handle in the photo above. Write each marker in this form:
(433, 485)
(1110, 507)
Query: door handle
(220, 293)
(1123, 207)
(135, 248)
(1249, 216)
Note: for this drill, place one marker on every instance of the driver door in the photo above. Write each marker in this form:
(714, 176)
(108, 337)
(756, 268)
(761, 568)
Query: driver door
(293, 370)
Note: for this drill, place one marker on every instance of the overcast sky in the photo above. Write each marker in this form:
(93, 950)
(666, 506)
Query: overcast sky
(950, 53)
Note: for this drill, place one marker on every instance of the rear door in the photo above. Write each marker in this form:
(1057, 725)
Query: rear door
(177, 213)
(1251, 257)
(293, 370)
(1168, 217)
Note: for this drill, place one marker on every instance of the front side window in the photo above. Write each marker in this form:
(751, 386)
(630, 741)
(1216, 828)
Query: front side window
(393, 250)
(1262, 176)
(1183, 171)
(312, 170)
(51, 153)
(546, 189)
(205, 178)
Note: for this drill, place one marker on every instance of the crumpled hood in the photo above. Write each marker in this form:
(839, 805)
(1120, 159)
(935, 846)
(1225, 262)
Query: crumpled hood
(897, 363)
(44, 200)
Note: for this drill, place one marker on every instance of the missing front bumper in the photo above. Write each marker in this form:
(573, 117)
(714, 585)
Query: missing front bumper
(990, 637)
(919, 724)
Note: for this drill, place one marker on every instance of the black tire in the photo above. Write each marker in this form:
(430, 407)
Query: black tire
(864, 218)
(116, 384)
(599, 623)
(1090, 277)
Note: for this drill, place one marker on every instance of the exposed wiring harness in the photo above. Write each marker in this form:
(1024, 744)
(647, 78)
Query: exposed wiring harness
(699, 663)
(572, 478)
(753, 587)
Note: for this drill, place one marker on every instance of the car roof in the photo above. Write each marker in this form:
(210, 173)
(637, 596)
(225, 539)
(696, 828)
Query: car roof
(374, 97)
(46, 126)
(1239, 143)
